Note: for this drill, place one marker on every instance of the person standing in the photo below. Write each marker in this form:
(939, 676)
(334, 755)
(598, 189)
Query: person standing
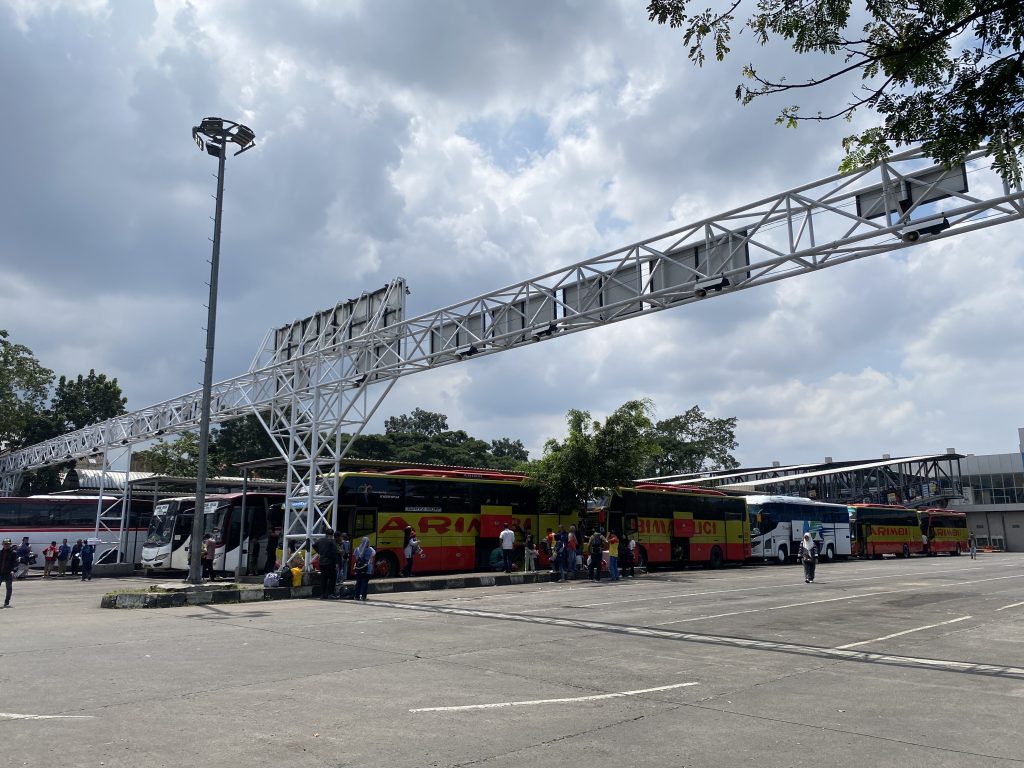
(327, 548)
(508, 543)
(8, 562)
(562, 554)
(76, 557)
(344, 555)
(88, 552)
(363, 568)
(972, 544)
(573, 543)
(49, 559)
(809, 557)
(549, 550)
(63, 555)
(273, 539)
(613, 556)
(626, 554)
(596, 552)
(410, 548)
(529, 554)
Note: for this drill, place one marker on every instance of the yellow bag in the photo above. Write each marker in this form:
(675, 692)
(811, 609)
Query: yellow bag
(296, 577)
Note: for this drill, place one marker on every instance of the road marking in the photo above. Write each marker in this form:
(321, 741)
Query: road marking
(598, 697)
(1014, 605)
(904, 632)
(843, 654)
(13, 716)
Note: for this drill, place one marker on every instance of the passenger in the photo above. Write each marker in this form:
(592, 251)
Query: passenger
(410, 548)
(344, 555)
(63, 555)
(508, 543)
(809, 557)
(273, 554)
(549, 544)
(613, 556)
(24, 558)
(562, 554)
(8, 563)
(529, 554)
(327, 549)
(596, 551)
(49, 559)
(973, 545)
(88, 551)
(363, 568)
(206, 559)
(626, 555)
(572, 542)
(76, 557)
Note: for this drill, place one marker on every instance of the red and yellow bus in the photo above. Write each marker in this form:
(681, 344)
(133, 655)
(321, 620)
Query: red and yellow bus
(457, 515)
(943, 530)
(676, 525)
(884, 529)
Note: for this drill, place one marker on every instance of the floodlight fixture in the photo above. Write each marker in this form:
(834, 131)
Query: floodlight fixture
(540, 333)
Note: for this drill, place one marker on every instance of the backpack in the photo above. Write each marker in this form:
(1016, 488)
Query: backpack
(595, 546)
(362, 564)
(272, 580)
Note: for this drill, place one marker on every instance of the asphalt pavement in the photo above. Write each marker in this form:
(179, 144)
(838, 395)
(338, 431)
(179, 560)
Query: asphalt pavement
(905, 663)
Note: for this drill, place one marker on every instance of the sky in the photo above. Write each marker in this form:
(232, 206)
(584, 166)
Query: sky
(467, 145)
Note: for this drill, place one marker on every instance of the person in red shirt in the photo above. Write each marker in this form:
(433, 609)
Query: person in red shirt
(49, 558)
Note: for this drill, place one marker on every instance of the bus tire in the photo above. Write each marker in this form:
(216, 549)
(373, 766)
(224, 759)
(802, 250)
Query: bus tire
(956, 552)
(830, 554)
(717, 558)
(641, 559)
(385, 566)
(906, 551)
(781, 556)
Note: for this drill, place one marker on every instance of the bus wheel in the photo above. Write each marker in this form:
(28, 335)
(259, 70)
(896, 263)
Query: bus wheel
(385, 566)
(830, 554)
(956, 552)
(717, 560)
(906, 551)
(781, 557)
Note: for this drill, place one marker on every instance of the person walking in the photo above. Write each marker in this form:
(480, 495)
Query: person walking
(327, 548)
(88, 552)
(508, 542)
(613, 556)
(24, 558)
(809, 557)
(8, 562)
(63, 555)
(595, 548)
(363, 568)
(49, 559)
(76, 557)
(972, 544)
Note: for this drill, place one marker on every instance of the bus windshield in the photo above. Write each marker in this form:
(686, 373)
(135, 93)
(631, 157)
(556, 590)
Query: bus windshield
(161, 527)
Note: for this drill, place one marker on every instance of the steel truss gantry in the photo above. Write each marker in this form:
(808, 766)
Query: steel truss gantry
(316, 383)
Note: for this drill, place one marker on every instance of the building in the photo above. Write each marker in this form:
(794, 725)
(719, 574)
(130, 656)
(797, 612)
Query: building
(993, 497)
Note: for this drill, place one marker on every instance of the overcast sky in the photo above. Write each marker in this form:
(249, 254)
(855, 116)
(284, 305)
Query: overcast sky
(465, 146)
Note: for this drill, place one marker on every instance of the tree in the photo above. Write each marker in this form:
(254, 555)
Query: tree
(419, 422)
(179, 458)
(507, 453)
(86, 400)
(946, 74)
(240, 440)
(693, 442)
(24, 385)
(595, 457)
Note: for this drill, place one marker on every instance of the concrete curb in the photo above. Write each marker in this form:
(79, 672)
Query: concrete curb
(176, 597)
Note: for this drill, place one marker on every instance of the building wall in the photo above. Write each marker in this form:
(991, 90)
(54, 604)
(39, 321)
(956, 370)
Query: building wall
(993, 487)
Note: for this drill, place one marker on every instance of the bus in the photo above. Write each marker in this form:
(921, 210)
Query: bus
(943, 530)
(679, 525)
(169, 537)
(778, 523)
(55, 517)
(457, 515)
(884, 529)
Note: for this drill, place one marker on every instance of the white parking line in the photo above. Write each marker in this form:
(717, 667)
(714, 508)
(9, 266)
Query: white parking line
(13, 716)
(904, 632)
(1014, 605)
(598, 697)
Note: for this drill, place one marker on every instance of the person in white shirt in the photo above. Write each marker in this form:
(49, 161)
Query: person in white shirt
(508, 543)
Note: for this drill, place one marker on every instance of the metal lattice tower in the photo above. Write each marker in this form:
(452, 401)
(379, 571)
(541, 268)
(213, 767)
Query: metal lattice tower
(327, 374)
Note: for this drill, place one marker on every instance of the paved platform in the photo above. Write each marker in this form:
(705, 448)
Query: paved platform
(896, 663)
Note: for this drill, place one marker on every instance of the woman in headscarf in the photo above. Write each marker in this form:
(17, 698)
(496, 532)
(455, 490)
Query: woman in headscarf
(809, 557)
(364, 555)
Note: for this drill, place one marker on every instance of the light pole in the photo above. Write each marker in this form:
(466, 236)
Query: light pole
(213, 134)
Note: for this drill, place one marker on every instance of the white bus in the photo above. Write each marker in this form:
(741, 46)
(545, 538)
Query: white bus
(169, 538)
(778, 523)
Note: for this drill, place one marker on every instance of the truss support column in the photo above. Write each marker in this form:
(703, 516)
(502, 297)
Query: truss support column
(9, 483)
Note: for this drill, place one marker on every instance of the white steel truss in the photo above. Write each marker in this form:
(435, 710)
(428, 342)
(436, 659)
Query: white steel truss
(312, 380)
